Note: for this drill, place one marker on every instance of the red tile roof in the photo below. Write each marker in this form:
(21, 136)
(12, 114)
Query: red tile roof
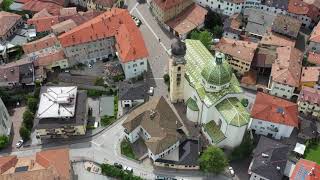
(7, 21)
(310, 95)
(45, 42)
(239, 49)
(6, 162)
(57, 158)
(315, 35)
(310, 74)
(53, 7)
(189, 19)
(306, 170)
(41, 14)
(314, 58)
(287, 67)
(68, 11)
(116, 22)
(300, 7)
(50, 58)
(44, 23)
(270, 108)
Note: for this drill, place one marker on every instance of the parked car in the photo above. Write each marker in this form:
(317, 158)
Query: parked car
(137, 21)
(231, 171)
(160, 177)
(19, 143)
(117, 165)
(151, 91)
(128, 169)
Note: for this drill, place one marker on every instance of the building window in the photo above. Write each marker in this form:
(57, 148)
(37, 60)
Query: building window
(179, 68)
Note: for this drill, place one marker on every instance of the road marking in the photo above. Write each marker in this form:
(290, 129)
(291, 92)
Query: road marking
(134, 7)
(97, 144)
(149, 27)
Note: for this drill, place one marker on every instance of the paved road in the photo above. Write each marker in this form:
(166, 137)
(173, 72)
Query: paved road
(158, 51)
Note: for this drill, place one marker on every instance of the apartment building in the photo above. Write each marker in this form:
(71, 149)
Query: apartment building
(62, 112)
(239, 53)
(109, 34)
(168, 9)
(225, 7)
(309, 101)
(5, 120)
(286, 72)
(9, 24)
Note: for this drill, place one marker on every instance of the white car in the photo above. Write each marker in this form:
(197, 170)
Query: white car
(19, 143)
(151, 91)
(128, 169)
(231, 171)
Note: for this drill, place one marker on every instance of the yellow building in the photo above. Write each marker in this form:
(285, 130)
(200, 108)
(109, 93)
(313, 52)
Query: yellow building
(168, 9)
(309, 76)
(101, 5)
(238, 53)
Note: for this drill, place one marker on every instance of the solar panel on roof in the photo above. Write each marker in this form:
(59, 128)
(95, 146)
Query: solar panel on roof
(279, 110)
(21, 169)
(302, 173)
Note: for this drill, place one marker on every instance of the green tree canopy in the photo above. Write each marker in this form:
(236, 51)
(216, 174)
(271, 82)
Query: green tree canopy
(28, 119)
(32, 104)
(4, 140)
(24, 133)
(212, 19)
(6, 5)
(99, 81)
(217, 31)
(204, 36)
(213, 160)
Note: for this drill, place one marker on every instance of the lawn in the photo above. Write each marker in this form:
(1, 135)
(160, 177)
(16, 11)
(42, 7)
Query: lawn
(107, 120)
(126, 149)
(313, 153)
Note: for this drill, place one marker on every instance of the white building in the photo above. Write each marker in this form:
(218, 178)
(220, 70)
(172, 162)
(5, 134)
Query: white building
(5, 120)
(211, 93)
(156, 123)
(131, 94)
(62, 112)
(225, 7)
(273, 116)
(109, 34)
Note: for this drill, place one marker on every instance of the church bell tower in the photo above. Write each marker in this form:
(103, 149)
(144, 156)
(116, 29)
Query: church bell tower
(177, 69)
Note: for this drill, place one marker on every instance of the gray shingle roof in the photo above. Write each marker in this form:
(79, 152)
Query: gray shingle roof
(270, 159)
(132, 91)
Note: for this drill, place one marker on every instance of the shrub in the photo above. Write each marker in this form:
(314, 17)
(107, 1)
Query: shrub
(166, 78)
(99, 81)
(32, 104)
(107, 120)
(28, 119)
(24, 133)
(111, 171)
(4, 141)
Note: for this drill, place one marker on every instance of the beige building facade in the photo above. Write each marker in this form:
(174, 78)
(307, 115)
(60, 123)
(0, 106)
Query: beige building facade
(166, 10)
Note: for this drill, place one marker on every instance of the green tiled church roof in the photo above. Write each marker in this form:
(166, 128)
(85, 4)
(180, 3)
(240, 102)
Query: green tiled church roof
(192, 104)
(217, 73)
(233, 112)
(199, 58)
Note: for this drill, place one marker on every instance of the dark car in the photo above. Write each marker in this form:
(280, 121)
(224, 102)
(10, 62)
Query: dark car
(117, 165)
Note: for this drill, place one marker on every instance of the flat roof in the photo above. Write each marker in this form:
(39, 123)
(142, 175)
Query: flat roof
(57, 102)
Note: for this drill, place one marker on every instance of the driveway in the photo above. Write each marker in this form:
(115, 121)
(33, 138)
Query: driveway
(17, 121)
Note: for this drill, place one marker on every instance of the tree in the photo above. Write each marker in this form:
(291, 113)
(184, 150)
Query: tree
(204, 36)
(212, 19)
(24, 133)
(6, 4)
(213, 160)
(28, 119)
(244, 149)
(166, 78)
(99, 81)
(245, 102)
(217, 32)
(4, 140)
(32, 104)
